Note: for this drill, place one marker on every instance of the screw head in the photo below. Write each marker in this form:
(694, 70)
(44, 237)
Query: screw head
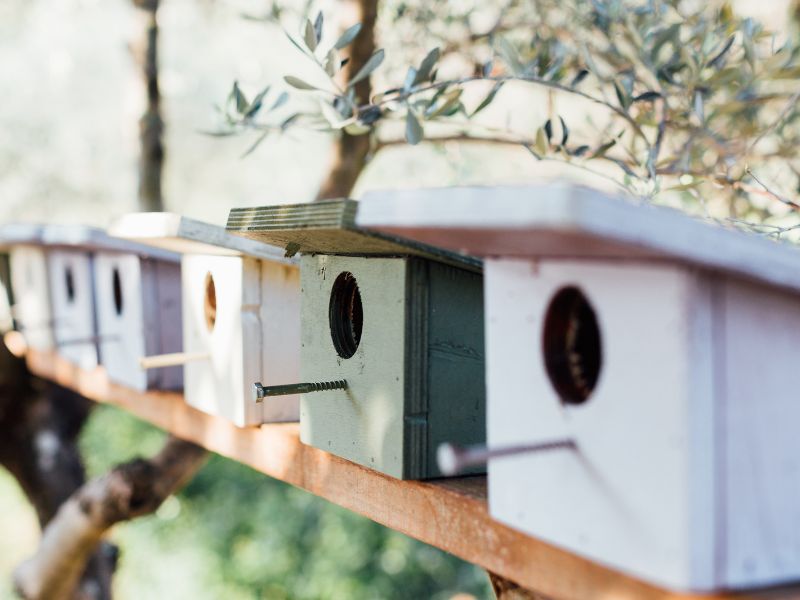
(258, 392)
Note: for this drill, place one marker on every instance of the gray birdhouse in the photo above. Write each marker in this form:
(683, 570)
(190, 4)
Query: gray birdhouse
(661, 348)
(392, 338)
(241, 317)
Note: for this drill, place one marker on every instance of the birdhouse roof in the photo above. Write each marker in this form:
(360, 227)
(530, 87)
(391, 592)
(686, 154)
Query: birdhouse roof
(567, 221)
(187, 236)
(94, 239)
(329, 227)
(12, 234)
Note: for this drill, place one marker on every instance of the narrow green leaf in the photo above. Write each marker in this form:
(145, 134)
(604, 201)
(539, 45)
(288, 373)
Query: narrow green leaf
(332, 62)
(373, 63)
(348, 36)
(295, 43)
(255, 144)
(414, 131)
(318, 27)
(310, 36)
(489, 98)
(548, 131)
(298, 83)
(714, 62)
(255, 106)
(541, 141)
(647, 97)
(578, 78)
(239, 98)
(282, 99)
(564, 131)
(426, 66)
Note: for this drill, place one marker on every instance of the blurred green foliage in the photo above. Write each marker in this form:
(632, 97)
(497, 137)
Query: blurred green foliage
(234, 533)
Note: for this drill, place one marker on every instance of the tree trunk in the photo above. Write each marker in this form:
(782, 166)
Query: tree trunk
(151, 126)
(350, 152)
(39, 427)
(74, 534)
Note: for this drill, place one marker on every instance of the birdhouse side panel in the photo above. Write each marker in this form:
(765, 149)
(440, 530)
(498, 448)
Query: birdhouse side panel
(31, 287)
(450, 301)
(365, 422)
(599, 353)
(220, 322)
(761, 475)
(163, 319)
(72, 299)
(119, 288)
(279, 314)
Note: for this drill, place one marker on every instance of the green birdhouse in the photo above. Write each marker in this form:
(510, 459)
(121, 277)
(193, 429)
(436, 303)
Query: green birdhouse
(392, 353)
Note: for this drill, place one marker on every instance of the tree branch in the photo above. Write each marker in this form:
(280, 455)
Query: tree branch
(128, 491)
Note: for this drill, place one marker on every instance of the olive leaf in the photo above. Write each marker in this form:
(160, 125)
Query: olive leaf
(372, 63)
(414, 131)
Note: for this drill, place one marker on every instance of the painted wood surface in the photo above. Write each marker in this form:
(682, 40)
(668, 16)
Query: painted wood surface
(72, 300)
(328, 228)
(627, 495)
(138, 315)
(187, 236)
(759, 471)
(416, 377)
(31, 286)
(572, 221)
(255, 336)
(450, 514)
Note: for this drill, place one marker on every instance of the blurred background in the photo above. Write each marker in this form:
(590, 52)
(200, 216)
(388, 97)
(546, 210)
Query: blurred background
(72, 96)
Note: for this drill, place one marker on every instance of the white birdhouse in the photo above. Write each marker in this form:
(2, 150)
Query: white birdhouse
(392, 339)
(654, 355)
(241, 316)
(28, 292)
(113, 301)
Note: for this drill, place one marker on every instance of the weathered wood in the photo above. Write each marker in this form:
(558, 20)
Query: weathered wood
(451, 515)
(328, 227)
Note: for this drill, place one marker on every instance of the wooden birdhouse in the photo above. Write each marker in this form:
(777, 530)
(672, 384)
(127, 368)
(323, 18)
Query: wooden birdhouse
(113, 302)
(651, 357)
(241, 316)
(392, 338)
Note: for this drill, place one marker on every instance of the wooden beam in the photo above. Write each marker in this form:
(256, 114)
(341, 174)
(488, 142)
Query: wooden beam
(448, 514)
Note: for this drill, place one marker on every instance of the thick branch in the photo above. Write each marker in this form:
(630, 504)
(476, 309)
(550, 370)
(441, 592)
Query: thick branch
(130, 490)
(350, 152)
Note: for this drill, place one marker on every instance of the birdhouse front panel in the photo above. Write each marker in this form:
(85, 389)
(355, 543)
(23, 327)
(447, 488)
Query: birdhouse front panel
(72, 301)
(138, 314)
(238, 313)
(31, 288)
(407, 336)
(614, 356)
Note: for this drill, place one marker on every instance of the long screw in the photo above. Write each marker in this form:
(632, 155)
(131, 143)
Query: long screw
(454, 459)
(260, 391)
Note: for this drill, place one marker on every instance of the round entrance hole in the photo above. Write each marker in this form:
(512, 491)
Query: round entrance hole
(210, 302)
(571, 346)
(116, 283)
(69, 281)
(345, 315)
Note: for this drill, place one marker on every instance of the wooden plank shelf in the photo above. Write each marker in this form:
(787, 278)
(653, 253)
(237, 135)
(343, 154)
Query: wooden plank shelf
(449, 514)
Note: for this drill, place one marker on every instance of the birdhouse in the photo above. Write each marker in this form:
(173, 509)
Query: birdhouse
(650, 358)
(241, 316)
(25, 280)
(391, 361)
(113, 301)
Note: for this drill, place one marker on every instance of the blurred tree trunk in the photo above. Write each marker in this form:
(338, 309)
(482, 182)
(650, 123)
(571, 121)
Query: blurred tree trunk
(151, 126)
(351, 152)
(130, 490)
(39, 427)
